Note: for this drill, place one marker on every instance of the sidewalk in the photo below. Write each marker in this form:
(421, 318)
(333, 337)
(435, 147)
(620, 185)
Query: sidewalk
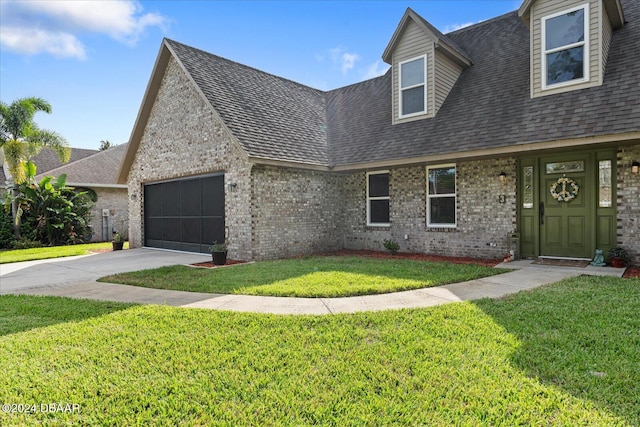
(524, 276)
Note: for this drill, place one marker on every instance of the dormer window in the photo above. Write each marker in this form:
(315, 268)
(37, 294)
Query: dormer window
(565, 44)
(413, 91)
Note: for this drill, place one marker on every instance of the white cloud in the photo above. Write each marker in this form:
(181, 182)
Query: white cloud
(57, 25)
(348, 61)
(454, 27)
(344, 59)
(375, 70)
(32, 41)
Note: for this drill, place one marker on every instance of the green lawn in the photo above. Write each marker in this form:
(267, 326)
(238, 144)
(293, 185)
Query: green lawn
(317, 276)
(563, 355)
(19, 255)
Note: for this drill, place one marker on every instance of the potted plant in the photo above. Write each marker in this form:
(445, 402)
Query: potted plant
(618, 256)
(391, 245)
(117, 242)
(219, 252)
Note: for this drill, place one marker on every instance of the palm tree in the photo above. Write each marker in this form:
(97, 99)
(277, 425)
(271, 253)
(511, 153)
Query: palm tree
(21, 138)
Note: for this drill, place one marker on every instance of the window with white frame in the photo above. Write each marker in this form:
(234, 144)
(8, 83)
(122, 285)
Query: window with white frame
(441, 196)
(413, 88)
(565, 47)
(378, 198)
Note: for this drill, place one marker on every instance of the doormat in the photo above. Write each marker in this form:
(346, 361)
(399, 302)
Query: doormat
(561, 262)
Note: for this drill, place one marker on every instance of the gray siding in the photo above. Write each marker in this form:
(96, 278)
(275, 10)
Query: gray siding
(442, 73)
(414, 42)
(542, 8)
(607, 30)
(447, 73)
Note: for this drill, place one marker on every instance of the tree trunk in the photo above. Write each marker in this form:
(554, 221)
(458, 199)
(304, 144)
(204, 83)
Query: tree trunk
(14, 214)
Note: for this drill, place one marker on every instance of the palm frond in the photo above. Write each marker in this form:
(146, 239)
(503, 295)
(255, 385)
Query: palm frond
(19, 115)
(14, 154)
(53, 140)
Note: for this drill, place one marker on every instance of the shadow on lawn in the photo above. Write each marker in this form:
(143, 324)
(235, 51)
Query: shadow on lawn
(19, 313)
(311, 270)
(582, 336)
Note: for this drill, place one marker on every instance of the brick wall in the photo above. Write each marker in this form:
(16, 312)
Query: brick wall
(116, 201)
(628, 203)
(184, 137)
(275, 212)
(295, 212)
(482, 221)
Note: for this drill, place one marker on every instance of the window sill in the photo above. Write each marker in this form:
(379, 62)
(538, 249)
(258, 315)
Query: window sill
(378, 226)
(441, 229)
(564, 85)
(408, 116)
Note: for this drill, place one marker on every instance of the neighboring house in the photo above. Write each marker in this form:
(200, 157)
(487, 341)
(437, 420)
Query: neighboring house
(99, 172)
(527, 123)
(45, 160)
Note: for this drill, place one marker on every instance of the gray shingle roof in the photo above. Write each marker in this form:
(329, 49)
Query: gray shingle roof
(100, 168)
(488, 107)
(47, 159)
(272, 117)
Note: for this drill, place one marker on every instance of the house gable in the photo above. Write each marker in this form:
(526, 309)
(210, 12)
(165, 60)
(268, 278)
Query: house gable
(601, 17)
(166, 56)
(415, 40)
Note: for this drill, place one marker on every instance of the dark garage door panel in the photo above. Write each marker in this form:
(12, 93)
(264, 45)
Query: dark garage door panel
(186, 215)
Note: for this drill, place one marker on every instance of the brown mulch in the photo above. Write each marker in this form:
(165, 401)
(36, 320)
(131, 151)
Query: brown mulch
(210, 264)
(632, 273)
(419, 257)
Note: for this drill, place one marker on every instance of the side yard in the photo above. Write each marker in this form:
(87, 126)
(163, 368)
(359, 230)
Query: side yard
(47, 252)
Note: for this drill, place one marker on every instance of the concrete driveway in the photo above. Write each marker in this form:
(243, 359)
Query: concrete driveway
(22, 276)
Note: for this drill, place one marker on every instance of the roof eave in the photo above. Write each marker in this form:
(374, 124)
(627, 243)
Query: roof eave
(93, 185)
(613, 8)
(514, 150)
(615, 13)
(387, 55)
(162, 60)
(440, 39)
(523, 10)
(453, 54)
(269, 161)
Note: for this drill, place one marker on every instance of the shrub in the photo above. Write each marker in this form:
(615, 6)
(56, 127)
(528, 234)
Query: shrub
(618, 252)
(6, 227)
(391, 245)
(54, 214)
(25, 244)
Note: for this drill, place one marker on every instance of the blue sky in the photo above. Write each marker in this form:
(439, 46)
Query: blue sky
(92, 59)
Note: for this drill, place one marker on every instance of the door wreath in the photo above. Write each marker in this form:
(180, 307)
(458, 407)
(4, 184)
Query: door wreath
(564, 189)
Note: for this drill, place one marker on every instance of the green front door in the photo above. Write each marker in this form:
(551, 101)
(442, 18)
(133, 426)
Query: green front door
(566, 208)
(567, 204)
